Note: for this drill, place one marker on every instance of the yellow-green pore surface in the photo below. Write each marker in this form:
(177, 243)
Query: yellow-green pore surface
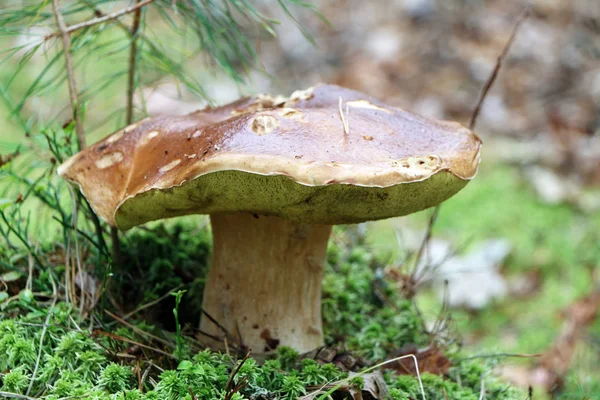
(278, 195)
(305, 158)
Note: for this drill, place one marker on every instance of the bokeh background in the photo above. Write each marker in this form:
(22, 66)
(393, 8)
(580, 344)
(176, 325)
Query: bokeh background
(514, 253)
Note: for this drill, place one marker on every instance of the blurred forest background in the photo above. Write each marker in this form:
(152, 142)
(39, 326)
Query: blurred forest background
(515, 256)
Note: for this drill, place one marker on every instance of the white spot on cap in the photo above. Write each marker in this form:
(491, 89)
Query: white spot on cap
(131, 127)
(149, 136)
(264, 124)
(108, 160)
(169, 166)
(115, 137)
(64, 167)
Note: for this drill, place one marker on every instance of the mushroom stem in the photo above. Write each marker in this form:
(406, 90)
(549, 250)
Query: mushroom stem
(265, 281)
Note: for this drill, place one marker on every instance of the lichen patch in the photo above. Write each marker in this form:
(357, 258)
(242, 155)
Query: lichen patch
(110, 159)
(170, 165)
(367, 104)
(264, 124)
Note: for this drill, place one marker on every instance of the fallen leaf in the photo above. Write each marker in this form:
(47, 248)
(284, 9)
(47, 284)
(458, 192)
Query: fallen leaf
(555, 362)
(374, 388)
(430, 359)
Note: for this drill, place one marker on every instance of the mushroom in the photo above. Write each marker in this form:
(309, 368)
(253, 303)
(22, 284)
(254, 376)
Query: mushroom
(275, 174)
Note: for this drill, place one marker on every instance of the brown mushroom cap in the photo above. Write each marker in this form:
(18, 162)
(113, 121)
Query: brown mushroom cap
(326, 155)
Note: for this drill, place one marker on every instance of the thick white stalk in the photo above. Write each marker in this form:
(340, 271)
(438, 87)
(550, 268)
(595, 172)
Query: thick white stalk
(265, 281)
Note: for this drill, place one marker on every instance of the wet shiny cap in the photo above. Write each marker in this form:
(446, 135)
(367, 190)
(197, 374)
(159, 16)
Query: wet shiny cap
(327, 155)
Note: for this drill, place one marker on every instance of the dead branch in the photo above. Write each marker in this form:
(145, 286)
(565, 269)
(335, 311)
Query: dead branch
(98, 332)
(483, 94)
(138, 330)
(99, 20)
(133, 50)
(73, 94)
(554, 363)
(231, 388)
(150, 304)
(492, 78)
(135, 27)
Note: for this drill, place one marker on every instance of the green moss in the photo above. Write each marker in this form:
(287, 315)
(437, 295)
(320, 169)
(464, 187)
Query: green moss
(353, 310)
(16, 381)
(115, 378)
(73, 362)
(168, 256)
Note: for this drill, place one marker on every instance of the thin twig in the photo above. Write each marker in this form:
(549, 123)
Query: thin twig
(213, 337)
(144, 377)
(227, 334)
(43, 335)
(425, 241)
(116, 249)
(230, 388)
(133, 50)
(494, 74)
(150, 304)
(344, 122)
(82, 279)
(482, 391)
(21, 238)
(138, 330)
(486, 88)
(327, 395)
(73, 94)
(124, 339)
(99, 20)
(16, 396)
(87, 237)
(498, 355)
(133, 56)
(95, 220)
(68, 289)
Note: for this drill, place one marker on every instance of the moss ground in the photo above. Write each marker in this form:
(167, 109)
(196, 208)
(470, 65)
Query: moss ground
(145, 359)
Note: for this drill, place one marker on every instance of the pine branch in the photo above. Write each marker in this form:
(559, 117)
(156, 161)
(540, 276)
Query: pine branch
(73, 95)
(99, 20)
